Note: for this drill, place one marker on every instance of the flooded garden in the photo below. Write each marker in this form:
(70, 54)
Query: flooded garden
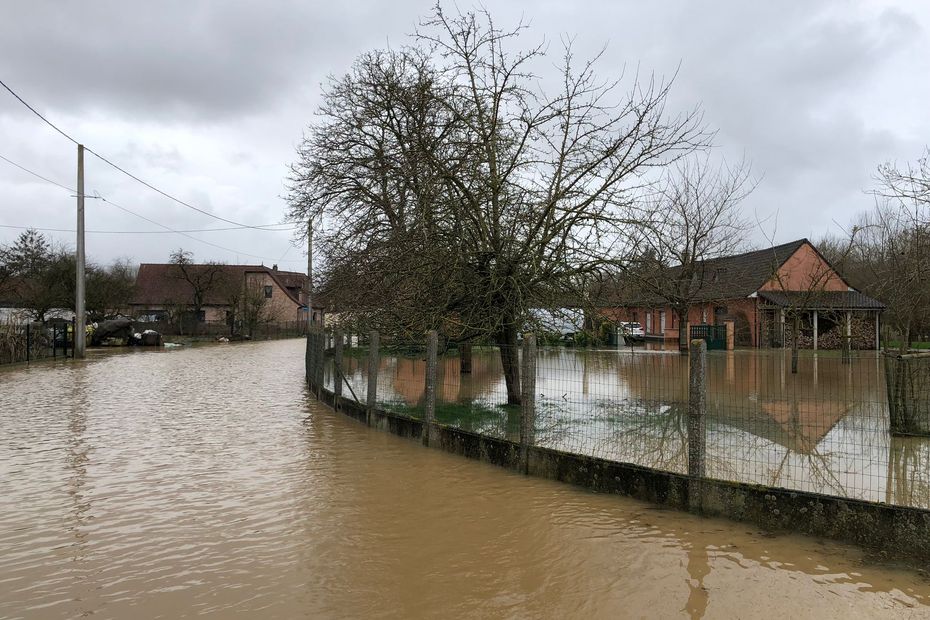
(824, 429)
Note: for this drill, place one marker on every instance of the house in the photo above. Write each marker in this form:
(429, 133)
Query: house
(762, 292)
(163, 290)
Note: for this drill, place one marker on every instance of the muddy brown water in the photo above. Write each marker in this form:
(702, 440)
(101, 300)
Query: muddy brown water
(206, 482)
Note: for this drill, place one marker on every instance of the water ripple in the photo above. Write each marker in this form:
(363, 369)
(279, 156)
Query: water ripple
(206, 482)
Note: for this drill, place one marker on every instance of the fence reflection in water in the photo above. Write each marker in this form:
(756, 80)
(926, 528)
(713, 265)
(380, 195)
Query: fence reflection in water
(823, 429)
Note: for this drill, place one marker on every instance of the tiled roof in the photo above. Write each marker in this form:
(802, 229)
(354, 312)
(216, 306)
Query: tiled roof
(158, 283)
(741, 275)
(727, 277)
(846, 300)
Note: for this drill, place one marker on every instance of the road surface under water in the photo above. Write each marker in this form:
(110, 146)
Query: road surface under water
(206, 482)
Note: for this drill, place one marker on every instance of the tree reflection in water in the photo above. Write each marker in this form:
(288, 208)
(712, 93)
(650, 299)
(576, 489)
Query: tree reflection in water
(822, 430)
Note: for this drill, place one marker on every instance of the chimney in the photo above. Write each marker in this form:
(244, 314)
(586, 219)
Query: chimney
(274, 267)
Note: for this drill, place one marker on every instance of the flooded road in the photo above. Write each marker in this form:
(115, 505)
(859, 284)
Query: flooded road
(206, 482)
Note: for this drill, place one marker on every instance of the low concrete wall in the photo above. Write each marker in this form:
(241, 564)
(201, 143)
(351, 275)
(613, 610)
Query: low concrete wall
(896, 531)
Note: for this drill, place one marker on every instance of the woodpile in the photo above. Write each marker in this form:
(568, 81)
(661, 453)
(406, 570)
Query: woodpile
(862, 332)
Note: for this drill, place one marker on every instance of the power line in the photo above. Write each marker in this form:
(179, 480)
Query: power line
(36, 174)
(264, 227)
(121, 169)
(36, 112)
(138, 232)
(166, 194)
(151, 221)
(183, 234)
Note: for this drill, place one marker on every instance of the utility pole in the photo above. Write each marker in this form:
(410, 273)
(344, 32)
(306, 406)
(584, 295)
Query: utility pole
(80, 319)
(309, 273)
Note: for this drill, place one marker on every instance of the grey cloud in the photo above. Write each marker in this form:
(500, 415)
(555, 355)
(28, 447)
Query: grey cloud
(178, 60)
(210, 98)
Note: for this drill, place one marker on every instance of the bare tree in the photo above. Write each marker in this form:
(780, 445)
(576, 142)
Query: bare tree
(254, 307)
(458, 193)
(202, 278)
(895, 247)
(692, 218)
(110, 288)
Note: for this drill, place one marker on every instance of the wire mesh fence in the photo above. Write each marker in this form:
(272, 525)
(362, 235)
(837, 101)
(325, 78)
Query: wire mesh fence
(824, 429)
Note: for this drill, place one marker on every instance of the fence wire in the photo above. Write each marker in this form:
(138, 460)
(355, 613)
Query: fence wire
(823, 429)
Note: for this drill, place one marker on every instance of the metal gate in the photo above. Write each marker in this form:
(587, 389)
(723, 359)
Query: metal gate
(714, 335)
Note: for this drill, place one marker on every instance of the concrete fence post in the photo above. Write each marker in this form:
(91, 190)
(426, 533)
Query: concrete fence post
(373, 365)
(429, 392)
(697, 411)
(527, 400)
(337, 369)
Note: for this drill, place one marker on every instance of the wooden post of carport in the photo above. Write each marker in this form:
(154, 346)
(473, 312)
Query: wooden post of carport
(815, 329)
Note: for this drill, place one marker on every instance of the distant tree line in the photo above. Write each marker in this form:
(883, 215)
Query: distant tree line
(39, 277)
(886, 252)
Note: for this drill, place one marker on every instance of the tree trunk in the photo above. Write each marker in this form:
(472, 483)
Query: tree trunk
(510, 361)
(905, 339)
(683, 335)
(465, 358)
(796, 332)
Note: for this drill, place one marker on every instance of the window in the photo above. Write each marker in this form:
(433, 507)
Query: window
(268, 290)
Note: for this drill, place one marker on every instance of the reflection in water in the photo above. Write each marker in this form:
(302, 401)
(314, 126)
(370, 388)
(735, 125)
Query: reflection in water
(77, 460)
(698, 568)
(160, 487)
(823, 429)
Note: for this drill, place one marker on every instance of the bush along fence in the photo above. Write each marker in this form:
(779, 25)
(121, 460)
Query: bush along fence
(734, 434)
(33, 341)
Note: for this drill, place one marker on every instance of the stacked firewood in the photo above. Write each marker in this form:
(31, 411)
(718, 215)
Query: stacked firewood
(862, 332)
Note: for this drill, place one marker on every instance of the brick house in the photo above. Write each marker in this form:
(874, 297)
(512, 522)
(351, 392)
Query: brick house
(759, 291)
(162, 290)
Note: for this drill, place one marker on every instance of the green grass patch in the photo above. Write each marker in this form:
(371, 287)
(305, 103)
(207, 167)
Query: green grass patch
(500, 419)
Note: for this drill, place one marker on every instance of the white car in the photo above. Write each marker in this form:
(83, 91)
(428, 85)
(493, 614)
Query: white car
(631, 330)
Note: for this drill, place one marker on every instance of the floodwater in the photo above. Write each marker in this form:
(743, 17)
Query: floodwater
(206, 482)
(824, 429)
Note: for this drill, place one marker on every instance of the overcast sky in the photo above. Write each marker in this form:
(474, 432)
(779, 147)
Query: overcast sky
(208, 100)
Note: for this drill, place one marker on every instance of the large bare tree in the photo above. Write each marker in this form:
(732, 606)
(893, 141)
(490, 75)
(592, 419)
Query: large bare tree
(457, 191)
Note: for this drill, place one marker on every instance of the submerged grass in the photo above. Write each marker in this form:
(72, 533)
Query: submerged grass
(500, 420)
